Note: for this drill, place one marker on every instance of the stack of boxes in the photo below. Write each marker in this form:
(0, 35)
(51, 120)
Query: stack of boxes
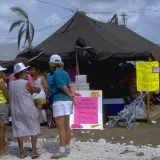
(81, 83)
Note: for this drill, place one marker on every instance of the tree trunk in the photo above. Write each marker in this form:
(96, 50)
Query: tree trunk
(29, 42)
(29, 36)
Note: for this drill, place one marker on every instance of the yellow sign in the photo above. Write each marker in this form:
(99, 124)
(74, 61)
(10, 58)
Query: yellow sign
(146, 79)
(95, 94)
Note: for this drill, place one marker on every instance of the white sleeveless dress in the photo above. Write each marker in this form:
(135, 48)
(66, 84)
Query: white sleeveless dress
(41, 97)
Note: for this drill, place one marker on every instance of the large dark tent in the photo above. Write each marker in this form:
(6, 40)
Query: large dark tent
(100, 47)
(109, 40)
(111, 43)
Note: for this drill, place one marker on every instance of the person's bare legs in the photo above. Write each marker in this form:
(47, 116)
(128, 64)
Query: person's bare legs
(68, 130)
(48, 115)
(68, 136)
(39, 107)
(20, 144)
(60, 124)
(2, 139)
(34, 144)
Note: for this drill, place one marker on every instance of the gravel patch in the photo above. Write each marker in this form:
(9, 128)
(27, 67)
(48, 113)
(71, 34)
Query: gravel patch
(87, 150)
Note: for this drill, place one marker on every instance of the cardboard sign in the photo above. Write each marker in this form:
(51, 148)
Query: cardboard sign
(146, 79)
(87, 110)
(88, 113)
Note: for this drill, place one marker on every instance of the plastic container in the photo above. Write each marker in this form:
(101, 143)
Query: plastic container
(81, 79)
(113, 106)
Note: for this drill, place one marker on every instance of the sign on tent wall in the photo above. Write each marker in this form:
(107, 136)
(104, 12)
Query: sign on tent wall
(146, 78)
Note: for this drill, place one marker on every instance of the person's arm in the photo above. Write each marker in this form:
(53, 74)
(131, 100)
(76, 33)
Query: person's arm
(66, 91)
(30, 80)
(45, 86)
(70, 87)
(5, 77)
(32, 89)
(72, 91)
(11, 77)
(4, 90)
(61, 84)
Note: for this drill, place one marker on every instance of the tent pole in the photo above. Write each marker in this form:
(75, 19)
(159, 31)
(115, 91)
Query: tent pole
(148, 100)
(148, 107)
(77, 64)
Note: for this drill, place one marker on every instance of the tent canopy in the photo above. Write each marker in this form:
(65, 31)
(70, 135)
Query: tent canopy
(110, 40)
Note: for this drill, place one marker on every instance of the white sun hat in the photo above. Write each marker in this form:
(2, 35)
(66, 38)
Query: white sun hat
(55, 59)
(2, 69)
(19, 67)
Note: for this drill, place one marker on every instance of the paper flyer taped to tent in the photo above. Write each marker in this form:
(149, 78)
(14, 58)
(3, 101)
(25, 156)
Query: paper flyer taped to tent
(88, 113)
(146, 79)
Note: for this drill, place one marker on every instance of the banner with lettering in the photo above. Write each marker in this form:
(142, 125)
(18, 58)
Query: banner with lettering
(147, 79)
(88, 112)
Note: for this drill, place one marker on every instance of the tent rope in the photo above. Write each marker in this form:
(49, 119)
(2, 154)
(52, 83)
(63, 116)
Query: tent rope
(77, 71)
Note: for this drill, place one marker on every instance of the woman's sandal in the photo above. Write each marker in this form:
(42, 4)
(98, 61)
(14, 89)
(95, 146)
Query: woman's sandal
(35, 156)
(22, 156)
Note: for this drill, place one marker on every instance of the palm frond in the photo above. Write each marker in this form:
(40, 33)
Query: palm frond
(20, 12)
(20, 34)
(16, 24)
(31, 31)
(27, 38)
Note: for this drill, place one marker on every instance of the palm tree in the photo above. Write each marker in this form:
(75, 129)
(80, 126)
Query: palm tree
(26, 27)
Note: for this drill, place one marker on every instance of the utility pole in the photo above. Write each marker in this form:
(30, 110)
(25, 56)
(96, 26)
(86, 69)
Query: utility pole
(124, 18)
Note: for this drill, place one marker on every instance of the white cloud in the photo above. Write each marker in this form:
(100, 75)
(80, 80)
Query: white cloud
(133, 18)
(153, 11)
(5, 9)
(52, 18)
(31, 4)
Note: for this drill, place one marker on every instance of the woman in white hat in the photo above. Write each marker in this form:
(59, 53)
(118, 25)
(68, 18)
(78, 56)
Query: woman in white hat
(4, 109)
(24, 114)
(63, 100)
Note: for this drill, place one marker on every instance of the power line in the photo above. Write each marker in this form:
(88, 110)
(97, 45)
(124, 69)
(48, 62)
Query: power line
(131, 11)
(96, 16)
(56, 5)
(52, 23)
(134, 3)
(124, 16)
(37, 31)
(144, 22)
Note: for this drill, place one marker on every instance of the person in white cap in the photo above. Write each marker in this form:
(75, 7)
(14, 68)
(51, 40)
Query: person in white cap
(63, 100)
(4, 111)
(23, 111)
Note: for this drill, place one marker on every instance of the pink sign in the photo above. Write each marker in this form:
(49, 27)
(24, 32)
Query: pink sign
(86, 112)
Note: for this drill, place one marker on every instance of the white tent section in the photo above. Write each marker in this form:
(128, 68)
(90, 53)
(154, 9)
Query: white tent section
(8, 51)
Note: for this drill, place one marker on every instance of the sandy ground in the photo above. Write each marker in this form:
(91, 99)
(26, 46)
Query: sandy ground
(114, 143)
(144, 134)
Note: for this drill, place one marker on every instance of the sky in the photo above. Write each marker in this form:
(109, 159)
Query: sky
(143, 16)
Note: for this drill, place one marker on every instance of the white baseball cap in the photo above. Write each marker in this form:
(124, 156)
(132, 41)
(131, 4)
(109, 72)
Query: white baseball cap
(55, 59)
(2, 69)
(19, 67)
